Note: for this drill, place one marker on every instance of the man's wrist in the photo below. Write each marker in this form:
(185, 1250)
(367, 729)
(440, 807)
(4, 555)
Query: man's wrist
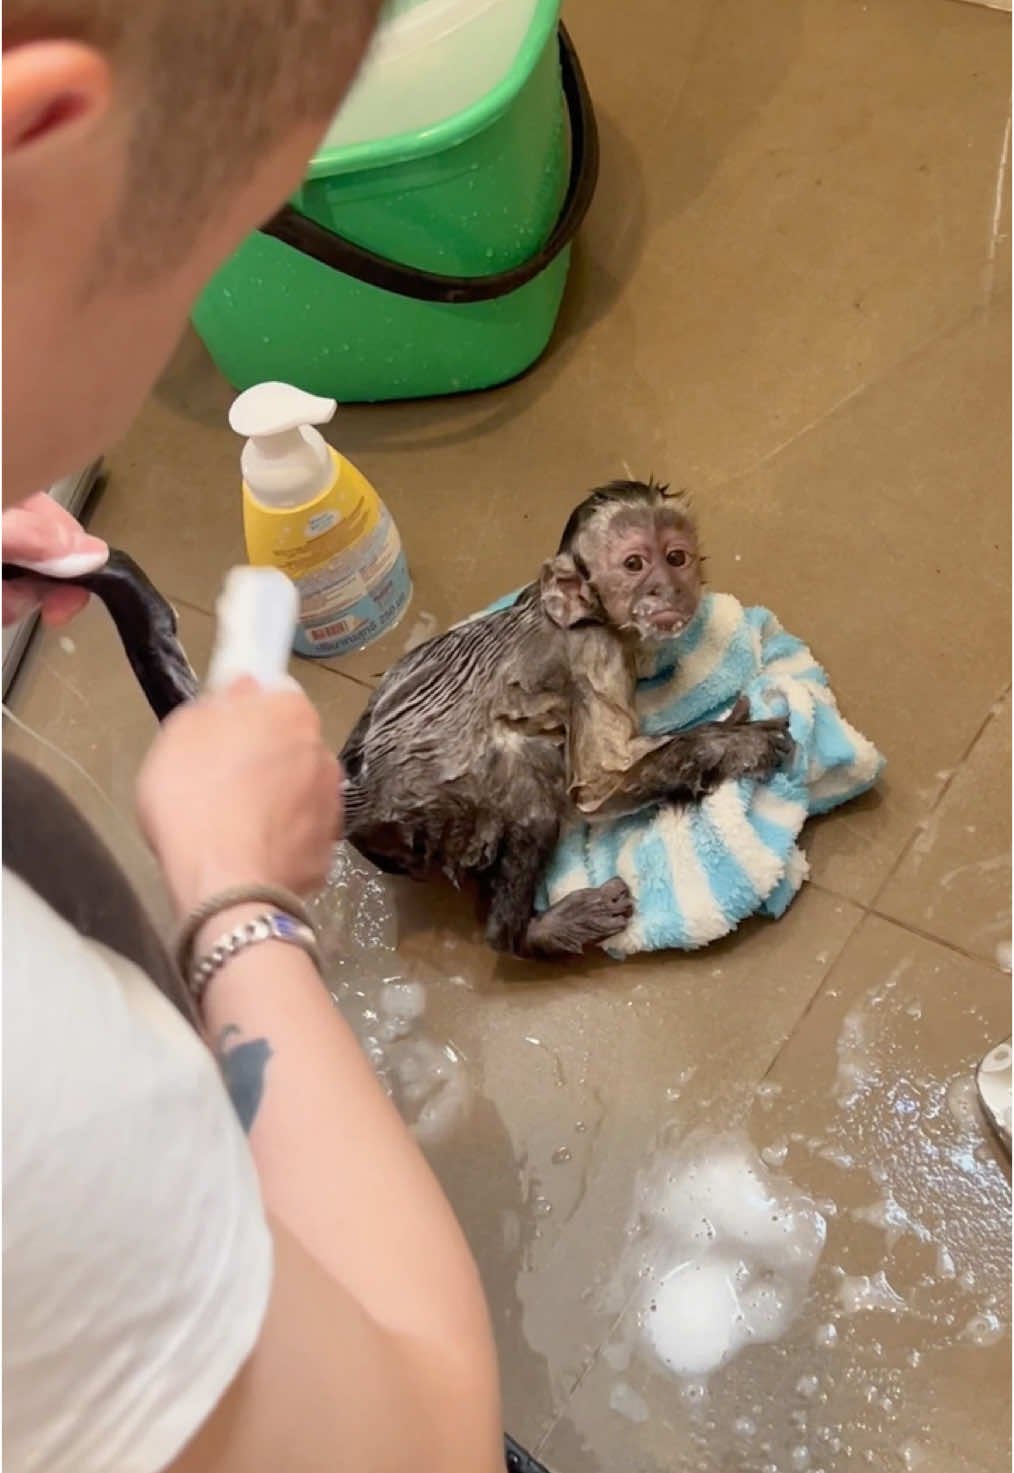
(240, 931)
(192, 890)
(259, 910)
(221, 923)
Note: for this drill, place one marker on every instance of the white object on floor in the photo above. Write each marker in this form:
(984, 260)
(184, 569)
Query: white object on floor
(993, 1079)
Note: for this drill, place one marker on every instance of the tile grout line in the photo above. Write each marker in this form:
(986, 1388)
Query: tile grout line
(583, 1374)
(907, 358)
(951, 946)
(935, 806)
(870, 908)
(184, 603)
(353, 679)
(824, 980)
(835, 894)
(866, 912)
(883, 915)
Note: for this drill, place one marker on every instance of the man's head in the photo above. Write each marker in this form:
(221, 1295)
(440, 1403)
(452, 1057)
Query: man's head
(628, 557)
(142, 140)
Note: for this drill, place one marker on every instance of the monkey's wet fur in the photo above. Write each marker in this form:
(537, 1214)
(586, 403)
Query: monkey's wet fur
(482, 744)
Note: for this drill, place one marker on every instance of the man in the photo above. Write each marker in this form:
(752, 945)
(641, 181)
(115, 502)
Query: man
(176, 1295)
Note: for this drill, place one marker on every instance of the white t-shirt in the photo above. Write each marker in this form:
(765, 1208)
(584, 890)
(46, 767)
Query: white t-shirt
(137, 1258)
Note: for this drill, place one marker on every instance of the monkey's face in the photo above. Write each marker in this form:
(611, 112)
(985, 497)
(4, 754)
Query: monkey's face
(644, 566)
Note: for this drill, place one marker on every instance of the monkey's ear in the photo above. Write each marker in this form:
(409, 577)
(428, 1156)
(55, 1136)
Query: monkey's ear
(567, 597)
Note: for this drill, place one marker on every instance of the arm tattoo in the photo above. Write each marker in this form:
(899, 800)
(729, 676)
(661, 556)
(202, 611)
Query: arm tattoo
(243, 1066)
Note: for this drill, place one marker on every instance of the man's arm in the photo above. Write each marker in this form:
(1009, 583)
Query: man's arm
(377, 1332)
(326, 1388)
(377, 1346)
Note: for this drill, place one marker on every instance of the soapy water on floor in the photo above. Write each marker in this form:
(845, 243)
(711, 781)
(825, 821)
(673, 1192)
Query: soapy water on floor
(732, 1312)
(731, 1292)
(723, 1250)
(426, 1077)
(729, 1309)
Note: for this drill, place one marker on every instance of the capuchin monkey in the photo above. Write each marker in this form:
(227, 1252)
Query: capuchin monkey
(482, 745)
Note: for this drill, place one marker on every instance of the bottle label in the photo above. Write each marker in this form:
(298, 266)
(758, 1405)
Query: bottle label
(356, 595)
(321, 523)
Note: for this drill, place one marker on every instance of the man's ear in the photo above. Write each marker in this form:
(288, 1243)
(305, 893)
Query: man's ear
(567, 597)
(50, 87)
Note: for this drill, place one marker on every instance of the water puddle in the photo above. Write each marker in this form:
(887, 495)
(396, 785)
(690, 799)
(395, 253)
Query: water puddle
(781, 1300)
(427, 1077)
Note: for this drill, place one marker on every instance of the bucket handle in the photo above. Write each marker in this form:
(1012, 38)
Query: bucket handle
(323, 245)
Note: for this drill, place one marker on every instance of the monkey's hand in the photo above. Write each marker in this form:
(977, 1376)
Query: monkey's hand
(756, 748)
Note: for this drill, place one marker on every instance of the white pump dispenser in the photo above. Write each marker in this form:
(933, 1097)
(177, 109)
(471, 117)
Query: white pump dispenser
(309, 512)
(285, 462)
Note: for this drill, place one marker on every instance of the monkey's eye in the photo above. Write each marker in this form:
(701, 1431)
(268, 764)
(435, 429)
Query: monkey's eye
(677, 557)
(634, 563)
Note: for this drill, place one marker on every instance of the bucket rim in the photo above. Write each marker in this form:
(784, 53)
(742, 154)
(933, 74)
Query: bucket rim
(449, 132)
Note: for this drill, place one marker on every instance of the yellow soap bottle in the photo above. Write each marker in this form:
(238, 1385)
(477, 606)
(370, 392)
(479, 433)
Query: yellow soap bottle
(308, 511)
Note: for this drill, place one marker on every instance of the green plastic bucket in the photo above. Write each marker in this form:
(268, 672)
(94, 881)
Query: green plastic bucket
(452, 256)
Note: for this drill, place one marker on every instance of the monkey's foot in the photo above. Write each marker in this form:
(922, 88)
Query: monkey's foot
(581, 919)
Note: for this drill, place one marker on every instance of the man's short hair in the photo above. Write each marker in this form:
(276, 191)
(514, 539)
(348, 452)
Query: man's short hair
(215, 83)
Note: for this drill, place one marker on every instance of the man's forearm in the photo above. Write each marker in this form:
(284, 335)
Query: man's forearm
(336, 1163)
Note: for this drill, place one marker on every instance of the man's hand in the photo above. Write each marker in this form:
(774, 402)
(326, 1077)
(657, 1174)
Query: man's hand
(239, 789)
(41, 531)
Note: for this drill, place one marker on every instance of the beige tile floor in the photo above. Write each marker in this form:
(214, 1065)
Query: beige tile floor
(793, 297)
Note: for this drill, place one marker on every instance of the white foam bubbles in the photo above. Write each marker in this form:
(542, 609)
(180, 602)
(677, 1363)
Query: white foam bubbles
(737, 1248)
(861, 1292)
(401, 1005)
(432, 1088)
(983, 1329)
(628, 1403)
(428, 1080)
(694, 1322)
(888, 1215)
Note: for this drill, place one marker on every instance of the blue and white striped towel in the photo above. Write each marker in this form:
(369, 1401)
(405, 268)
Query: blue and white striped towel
(697, 871)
